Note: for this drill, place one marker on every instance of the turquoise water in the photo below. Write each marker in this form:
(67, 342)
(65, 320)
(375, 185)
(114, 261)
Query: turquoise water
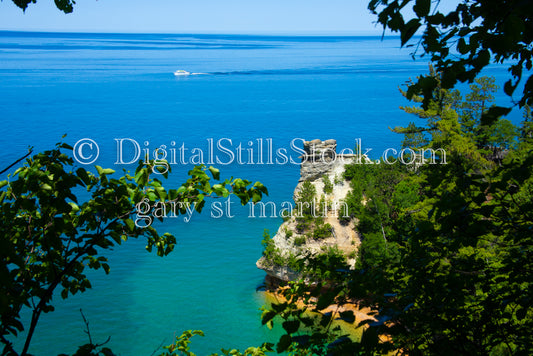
(104, 87)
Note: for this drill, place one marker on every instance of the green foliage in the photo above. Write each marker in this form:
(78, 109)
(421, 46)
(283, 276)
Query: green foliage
(446, 254)
(373, 187)
(503, 134)
(464, 40)
(414, 137)
(181, 347)
(377, 252)
(452, 119)
(306, 201)
(300, 240)
(307, 217)
(271, 253)
(526, 131)
(380, 196)
(322, 231)
(308, 329)
(477, 102)
(447, 249)
(327, 265)
(302, 225)
(49, 235)
(406, 193)
(269, 248)
(451, 241)
(328, 185)
(294, 262)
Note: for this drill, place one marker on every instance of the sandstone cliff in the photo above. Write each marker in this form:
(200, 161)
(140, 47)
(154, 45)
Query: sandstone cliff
(323, 168)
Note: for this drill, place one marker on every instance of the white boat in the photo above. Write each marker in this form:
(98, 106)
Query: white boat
(181, 72)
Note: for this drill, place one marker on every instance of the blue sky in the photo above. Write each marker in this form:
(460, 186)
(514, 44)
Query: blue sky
(195, 16)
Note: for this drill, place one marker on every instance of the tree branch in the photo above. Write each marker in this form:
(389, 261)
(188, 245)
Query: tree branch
(30, 151)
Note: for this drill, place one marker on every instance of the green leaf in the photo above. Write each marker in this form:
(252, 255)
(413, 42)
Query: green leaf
(130, 224)
(215, 172)
(462, 47)
(284, 343)
(279, 307)
(106, 268)
(141, 177)
(259, 186)
(267, 316)
(291, 326)
(107, 171)
(161, 192)
(325, 300)
(422, 7)
(347, 316)
(65, 5)
(65, 145)
(75, 207)
(508, 87)
(493, 114)
(256, 197)
(82, 173)
(409, 30)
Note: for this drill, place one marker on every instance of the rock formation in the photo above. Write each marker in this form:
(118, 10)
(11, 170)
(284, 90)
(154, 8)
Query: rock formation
(320, 160)
(319, 157)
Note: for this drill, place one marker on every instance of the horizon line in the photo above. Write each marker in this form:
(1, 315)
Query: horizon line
(229, 33)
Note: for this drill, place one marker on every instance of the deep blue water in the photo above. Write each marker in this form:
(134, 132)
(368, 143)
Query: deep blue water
(112, 86)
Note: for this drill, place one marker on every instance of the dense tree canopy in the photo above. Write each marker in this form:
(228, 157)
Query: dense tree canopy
(446, 257)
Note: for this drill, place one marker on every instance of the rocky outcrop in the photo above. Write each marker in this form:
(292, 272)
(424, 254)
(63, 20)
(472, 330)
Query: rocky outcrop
(320, 160)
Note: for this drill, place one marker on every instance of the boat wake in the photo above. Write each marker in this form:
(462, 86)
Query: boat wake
(298, 71)
(181, 72)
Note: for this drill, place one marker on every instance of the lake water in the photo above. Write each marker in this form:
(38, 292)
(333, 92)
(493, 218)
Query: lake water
(248, 90)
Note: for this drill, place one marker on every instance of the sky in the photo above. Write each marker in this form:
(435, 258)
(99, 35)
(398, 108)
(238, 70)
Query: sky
(341, 17)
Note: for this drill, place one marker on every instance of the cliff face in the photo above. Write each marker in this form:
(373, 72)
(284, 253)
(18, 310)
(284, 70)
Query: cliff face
(321, 171)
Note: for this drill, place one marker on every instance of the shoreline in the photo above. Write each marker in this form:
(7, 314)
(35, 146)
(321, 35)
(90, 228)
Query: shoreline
(352, 329)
